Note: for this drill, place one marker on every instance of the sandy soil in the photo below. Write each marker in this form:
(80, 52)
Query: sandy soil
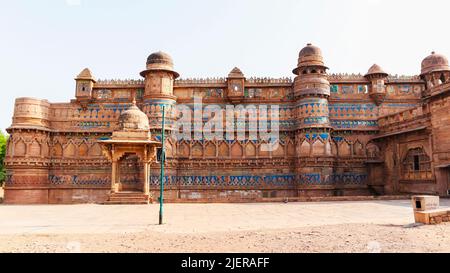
(336, 238)
(379, 226)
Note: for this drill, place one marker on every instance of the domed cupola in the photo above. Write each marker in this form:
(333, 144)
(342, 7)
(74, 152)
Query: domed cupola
(434, 63)
(133, 119)
(159, 77)
(159, 61)
(309, 57)
(378, 78)
(311, 73)
(375, 71)
(435, 70)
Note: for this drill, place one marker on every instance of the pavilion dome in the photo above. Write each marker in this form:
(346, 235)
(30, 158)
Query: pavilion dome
(376, 70)
(310, 55)
(159, 61)
(160, 58)
(434, 63)
(133, 119)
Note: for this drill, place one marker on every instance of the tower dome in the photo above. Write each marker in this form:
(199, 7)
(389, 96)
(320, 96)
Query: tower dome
(309, 56)
(133, 119)
(159, 61)
(435, 63)
(376, 70)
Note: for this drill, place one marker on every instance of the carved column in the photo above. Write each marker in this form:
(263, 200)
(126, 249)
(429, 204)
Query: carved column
(114, 176)
(146, 174)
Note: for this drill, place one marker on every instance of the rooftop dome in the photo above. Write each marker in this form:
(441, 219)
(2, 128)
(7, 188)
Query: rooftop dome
(435, 62)
(159, 61)
(376, 69)
(309, 56)
(133, 119)
(160, 58)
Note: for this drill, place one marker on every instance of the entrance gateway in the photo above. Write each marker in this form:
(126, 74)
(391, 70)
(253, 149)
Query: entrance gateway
(131, 151)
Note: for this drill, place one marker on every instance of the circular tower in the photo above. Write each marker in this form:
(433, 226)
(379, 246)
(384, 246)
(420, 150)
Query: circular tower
(314, 164)
(312, 90)
(159, 79)
(27, 158)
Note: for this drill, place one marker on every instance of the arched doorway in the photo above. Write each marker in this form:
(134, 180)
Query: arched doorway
(131, 173)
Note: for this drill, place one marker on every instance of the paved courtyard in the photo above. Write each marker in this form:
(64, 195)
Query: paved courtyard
(266, 227)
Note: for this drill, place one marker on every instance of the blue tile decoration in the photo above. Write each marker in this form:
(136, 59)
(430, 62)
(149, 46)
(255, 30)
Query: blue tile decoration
(89, 180)
(310, 179)
(244, 181)
(352, 124)
(345, 178)
(316, 120)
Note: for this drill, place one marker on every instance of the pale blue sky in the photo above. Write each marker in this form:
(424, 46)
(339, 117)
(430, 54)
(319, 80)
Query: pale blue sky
(45, 43)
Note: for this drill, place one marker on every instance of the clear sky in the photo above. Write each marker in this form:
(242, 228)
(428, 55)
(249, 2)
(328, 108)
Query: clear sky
(45, 44)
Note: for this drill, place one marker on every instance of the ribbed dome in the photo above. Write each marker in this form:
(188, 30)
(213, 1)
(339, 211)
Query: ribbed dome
(159, 61)
(435, 62)
(133, 119)
(309, 56)
(376, 69)
(310, 50)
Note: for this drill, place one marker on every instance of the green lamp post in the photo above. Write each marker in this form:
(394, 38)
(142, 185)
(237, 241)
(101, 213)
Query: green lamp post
(163, 157)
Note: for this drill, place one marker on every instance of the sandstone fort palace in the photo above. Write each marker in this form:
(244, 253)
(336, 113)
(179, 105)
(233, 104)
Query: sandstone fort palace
(339, 135)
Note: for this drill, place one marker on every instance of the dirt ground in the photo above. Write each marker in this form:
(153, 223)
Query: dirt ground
(336, 238)
(378, 226)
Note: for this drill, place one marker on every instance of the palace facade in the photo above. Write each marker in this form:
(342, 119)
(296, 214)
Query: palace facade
(340, 135)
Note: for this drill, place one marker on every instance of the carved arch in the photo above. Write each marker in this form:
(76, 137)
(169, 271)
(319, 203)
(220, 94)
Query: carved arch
(236, 150)
(224, 149)
(305, 148)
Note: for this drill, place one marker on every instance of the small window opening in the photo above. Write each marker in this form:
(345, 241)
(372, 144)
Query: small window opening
(418, 204)
(416, 163)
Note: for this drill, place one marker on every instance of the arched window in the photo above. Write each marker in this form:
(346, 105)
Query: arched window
(416, 164)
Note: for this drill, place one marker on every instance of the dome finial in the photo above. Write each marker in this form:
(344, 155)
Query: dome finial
(134, 100)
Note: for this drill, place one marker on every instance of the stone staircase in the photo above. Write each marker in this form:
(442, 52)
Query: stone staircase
(127, 198)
